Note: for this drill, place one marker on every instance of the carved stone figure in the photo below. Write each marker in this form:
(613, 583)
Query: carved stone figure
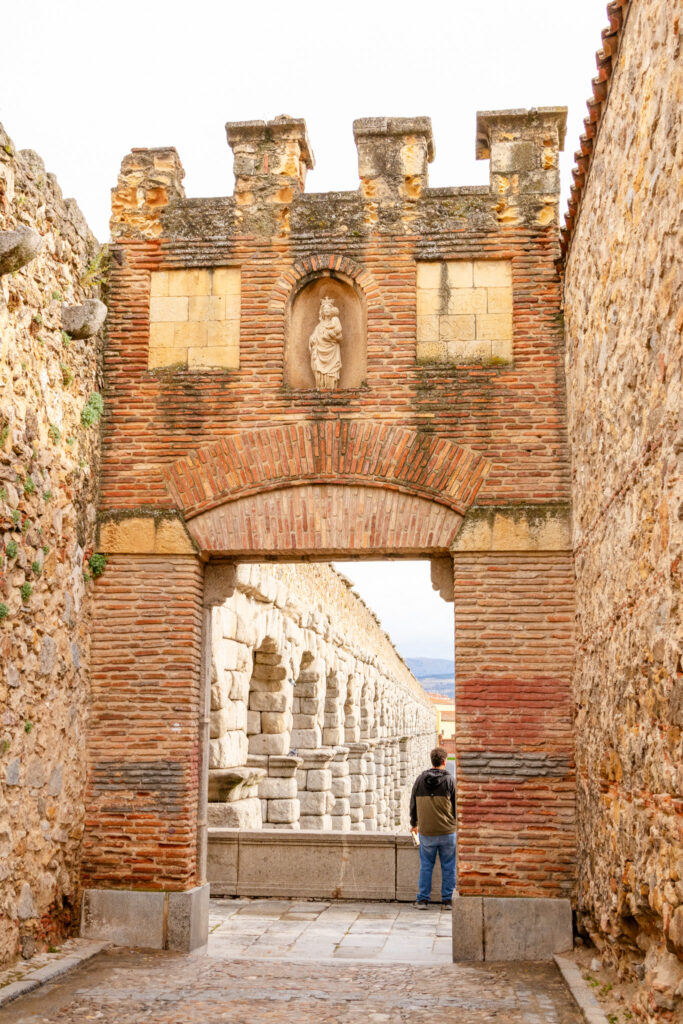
(325, 346)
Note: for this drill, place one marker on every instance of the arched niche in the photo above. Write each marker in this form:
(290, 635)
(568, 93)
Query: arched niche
(303, 314)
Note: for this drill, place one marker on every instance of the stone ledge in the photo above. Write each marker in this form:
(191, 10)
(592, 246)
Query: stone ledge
(61, 965)
(177, 921)
(144, 535)
(519, 528)
(512, 928)
(581, 993)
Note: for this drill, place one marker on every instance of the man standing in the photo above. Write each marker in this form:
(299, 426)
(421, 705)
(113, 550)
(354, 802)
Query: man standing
(432, 814)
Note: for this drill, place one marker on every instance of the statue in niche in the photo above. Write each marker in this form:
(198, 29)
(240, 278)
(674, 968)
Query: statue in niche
(325, 346)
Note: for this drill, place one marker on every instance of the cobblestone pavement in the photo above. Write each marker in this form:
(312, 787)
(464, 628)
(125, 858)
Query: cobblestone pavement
(293, 979)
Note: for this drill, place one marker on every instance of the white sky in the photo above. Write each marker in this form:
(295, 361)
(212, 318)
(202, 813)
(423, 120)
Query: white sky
(418, 620)
(83, 82)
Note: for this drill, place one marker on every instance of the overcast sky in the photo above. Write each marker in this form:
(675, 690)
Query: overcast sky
(83, 82)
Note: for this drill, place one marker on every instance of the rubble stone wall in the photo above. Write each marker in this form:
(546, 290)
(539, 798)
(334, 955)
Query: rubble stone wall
(48, 466)
(624, 317)
(316, 722)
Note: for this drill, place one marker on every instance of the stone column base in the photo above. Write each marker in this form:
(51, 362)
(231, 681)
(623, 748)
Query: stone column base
(499, 928)
(177, 921)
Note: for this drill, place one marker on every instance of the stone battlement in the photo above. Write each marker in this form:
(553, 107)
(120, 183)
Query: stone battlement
(271, 159)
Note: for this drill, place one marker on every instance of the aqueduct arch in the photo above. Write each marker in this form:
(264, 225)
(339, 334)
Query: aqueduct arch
(452, 447)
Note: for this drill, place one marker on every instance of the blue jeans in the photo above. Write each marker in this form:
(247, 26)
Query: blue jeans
(429, 846)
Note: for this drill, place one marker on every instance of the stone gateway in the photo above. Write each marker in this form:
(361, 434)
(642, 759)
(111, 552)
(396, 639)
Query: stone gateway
(191, 694)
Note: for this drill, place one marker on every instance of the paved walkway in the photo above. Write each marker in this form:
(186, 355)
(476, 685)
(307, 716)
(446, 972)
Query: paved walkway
(380, 932)
(277, 962)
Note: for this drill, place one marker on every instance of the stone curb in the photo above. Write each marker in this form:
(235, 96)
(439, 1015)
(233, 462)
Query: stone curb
(49, 972)
(584, 998)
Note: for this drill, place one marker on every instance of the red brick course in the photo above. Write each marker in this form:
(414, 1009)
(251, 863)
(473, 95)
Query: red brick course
(514, 748)
(513, 416)
(328, 521)
(143, 735)
(341, 452)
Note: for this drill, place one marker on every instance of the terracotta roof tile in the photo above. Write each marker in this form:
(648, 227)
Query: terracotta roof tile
(611, 37)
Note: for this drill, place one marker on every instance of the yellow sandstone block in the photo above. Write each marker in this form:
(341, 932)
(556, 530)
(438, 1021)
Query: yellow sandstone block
(168, 310)
(161, 335)
(191, 334)
(492, 273)
(495, 326)
(171, 539)
(159, 357)
(467, 300)
(189, 282)
(429, 301)
(205, 307)
(226, 281)
(499, 300)
(127, 536)
(457, 328)
(429, 275)
(219, 358)
(231, 309)
(502, 351)
(225, 333)
(158, 285)
(431, 352)
(460, 273)
(469, 351)
(428, 328)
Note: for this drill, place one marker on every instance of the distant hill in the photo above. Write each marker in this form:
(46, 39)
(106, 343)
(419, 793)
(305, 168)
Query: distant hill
(432, 668)
(436, 675)
(444, 687)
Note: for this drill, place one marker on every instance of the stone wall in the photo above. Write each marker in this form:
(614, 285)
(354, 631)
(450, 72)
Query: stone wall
(48, 465)
(624, 317)
(316, 722)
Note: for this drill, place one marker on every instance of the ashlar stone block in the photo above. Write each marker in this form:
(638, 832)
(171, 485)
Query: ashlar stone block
(492, 274)
(269, 743)
(319, 779)
(341, 786)
(282, 811)
(278, 789)
(306, 738)
(260, 700)
(312, 803)
(275, 722)
(237, 814)
(229, 750)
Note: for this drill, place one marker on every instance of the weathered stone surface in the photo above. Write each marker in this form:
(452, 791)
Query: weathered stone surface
(283, 811)
(17, 248)
(84, 321)
(48, 480)
(277, 789)
(624, 317)
(236, 814)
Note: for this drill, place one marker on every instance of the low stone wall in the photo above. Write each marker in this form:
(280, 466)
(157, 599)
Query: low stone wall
(316, 722)
(49, 448)
(315, 865)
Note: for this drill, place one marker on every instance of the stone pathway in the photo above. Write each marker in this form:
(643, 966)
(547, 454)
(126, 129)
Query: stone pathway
(279, 962)
(299, 930)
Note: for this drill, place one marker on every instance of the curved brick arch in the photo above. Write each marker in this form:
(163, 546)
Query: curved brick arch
(347, 452)
(326, 521)
(319, 264)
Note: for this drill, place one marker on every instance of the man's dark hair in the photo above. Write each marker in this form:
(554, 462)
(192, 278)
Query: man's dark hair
(439, 756)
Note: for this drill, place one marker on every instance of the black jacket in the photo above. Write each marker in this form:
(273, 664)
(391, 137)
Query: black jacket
(432, 803)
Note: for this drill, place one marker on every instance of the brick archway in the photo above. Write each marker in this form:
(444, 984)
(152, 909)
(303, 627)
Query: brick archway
(327, 452)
